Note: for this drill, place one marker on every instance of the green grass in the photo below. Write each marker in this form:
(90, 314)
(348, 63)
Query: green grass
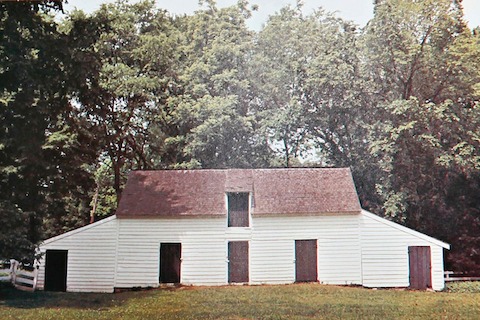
(300, 301)
(464, 287)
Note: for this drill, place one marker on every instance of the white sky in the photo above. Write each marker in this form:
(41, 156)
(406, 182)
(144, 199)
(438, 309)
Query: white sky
(360, 11)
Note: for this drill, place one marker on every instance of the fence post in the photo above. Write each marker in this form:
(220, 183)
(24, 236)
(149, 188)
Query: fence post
(35, 276)
(13, 270)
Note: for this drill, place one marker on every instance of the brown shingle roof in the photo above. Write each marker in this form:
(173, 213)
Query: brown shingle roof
(169, 193)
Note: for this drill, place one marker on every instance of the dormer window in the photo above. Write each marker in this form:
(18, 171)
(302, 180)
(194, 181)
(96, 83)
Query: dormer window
(238, 209)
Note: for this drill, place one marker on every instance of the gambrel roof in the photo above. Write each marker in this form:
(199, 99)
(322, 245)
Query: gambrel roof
(289, 191)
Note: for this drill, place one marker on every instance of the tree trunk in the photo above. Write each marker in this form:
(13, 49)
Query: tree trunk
(94, 208)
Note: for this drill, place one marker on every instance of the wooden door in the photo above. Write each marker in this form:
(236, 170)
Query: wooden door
(56, 270)
(238, 262)
(170, 262)
(306, 260)
(420, 267)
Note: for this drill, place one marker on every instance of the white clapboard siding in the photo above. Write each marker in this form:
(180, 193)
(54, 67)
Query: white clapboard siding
(384, 248)
(272, 262)
(272, 257)
(361, 249)
(91, 256)
(203, 250)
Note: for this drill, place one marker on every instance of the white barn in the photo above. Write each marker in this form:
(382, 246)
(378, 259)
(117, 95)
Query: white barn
(254, 226)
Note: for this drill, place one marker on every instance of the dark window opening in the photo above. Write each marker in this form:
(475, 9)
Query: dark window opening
(238, 215)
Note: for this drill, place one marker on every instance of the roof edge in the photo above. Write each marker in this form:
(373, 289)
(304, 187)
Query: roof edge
(406, 229)
(75, 231)
(306, 214)
(183, 216)
(350, 172)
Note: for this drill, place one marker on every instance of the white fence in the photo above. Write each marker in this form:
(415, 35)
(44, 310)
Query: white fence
(5, 272)
(458, 276)
(23, 277)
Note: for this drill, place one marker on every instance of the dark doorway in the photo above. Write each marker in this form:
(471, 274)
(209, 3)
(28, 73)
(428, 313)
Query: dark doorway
(170, 260)
(420, 267)
(56, 270)
(305, 260)
(238, 262)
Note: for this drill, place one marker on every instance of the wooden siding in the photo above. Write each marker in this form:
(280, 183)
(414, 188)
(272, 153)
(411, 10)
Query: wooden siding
(91, 257)
(273, 248)
(205, 243)
(351, 249)
(204, 257)
(385, 253)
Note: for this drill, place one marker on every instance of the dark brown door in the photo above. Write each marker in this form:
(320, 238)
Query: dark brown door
(170, 261)
(237, 261)
(56, 270)
(305, 260)
(420, 267)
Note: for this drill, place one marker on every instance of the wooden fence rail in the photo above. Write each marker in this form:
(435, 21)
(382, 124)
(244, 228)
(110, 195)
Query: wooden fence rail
(458, 276)
(5, 272)
(23, 277)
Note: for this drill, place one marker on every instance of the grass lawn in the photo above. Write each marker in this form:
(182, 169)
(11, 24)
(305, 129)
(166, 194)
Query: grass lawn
(298, 301)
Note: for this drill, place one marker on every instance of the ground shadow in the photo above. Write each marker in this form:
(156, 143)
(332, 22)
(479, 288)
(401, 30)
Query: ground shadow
(11, 297)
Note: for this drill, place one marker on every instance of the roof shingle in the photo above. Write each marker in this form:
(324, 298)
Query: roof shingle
(174, 193)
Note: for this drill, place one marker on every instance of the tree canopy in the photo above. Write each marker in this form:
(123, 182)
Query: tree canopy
(86, 99)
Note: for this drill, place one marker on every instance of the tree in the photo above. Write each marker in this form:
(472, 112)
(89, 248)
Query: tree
(129, 80)
(104, 199)
(214, 115)
(37, 135)
(312, 93)
(14, 240)
(413, 50)
(283, 52)
(429, 155)
(424, 64)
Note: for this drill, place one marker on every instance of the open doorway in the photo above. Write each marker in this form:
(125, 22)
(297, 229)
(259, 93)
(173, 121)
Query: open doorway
(56, 270)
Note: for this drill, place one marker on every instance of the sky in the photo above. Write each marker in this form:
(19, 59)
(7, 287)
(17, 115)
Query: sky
(359, 11)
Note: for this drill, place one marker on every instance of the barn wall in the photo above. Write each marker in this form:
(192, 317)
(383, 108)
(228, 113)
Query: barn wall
(385, 253)
(352, 249)
(273, 248)
(203, 242)
(91, 257)
(204, 249)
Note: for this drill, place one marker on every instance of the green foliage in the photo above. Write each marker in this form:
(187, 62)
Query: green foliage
(14, 243)
(222, 139)
(130, 77)
(426, 151)
(104, 198)
(42, 156)
(424, 66)
(411, 48)
(217, 128)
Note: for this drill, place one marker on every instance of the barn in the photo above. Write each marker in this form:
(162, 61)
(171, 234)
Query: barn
(248, 226)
